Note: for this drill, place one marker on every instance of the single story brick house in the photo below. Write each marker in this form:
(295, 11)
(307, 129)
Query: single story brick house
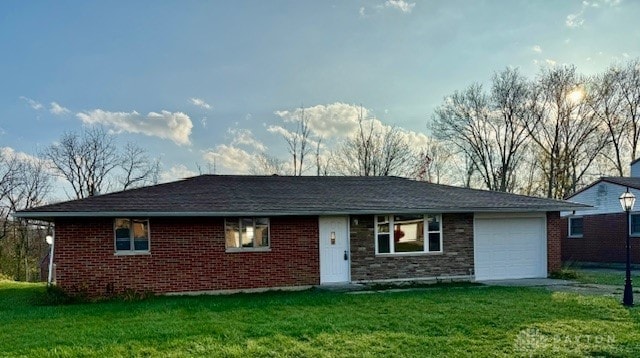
(599, 234)
(226, 233)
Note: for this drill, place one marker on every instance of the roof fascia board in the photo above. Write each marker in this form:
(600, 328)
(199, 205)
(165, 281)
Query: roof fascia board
(67, 214)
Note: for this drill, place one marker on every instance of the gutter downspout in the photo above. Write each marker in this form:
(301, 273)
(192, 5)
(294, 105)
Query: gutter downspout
(51, 240)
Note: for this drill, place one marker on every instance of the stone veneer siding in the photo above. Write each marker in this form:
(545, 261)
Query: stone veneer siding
(455, 260)
(187, 254)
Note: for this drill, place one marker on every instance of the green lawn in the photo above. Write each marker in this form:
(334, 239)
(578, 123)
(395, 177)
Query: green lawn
(605, 277)
(442, 321)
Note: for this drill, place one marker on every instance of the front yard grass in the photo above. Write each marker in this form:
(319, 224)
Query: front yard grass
(441, 321)
(601, 277)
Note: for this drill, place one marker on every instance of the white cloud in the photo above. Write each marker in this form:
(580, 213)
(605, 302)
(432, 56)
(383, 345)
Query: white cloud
(166, 125)
(8, 152)
(246, 138)
(203, 121)
(362, 13)
(229, 159)
(537, 49)
(550, 62)
(401, 5)
(32, 103)
(200, 103)
(57, 109)
(574, 20)
(326, 121)
(176, 172)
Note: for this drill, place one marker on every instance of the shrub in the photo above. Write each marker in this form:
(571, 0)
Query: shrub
(54, 296)
(565, 273)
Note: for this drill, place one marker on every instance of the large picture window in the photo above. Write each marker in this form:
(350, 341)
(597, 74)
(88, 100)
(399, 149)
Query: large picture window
(131, 236)
(408, 233)
(246, 233)
(576, 226)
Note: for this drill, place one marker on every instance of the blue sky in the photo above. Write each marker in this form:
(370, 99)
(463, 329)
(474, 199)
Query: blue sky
(195, 80)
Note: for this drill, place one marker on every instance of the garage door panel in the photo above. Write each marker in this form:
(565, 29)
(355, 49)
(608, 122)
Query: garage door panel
(510, 248)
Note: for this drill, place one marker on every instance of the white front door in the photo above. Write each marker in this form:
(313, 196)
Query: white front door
(334, 249)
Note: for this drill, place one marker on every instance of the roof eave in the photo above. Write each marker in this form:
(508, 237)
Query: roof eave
(84, 214)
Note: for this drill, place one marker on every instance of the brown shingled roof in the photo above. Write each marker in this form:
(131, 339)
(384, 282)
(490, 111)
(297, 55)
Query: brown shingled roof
(228, 195)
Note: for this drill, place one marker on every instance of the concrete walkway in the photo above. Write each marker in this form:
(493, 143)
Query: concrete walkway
(561, 286)
(553, 285)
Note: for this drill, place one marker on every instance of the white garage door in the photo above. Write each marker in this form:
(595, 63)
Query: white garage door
(511, 247)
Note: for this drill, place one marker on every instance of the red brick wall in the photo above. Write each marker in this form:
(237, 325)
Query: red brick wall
(554, 242)
(187, 254)
(604, 240)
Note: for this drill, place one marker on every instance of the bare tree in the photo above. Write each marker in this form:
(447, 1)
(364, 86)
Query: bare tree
(568, 138)
(322, 163)
(268, 165)
(137, 168)
(434, 163)
(92, 163)
(10, 169)
(486, 127)
(375, 150)
(628, 81)
(85, 160)
(298, 142)
(606, 105)
(25, 184)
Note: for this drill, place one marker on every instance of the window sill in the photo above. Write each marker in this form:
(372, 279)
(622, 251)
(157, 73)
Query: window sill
(400, 254)
(575, 237)
(132, 253)
(254, 249)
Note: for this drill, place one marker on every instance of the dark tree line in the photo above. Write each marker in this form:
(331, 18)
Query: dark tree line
(548, 135)
(90, 162)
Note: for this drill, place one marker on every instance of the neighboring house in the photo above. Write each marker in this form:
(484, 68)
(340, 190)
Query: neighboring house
(213, 233)
(599, 234)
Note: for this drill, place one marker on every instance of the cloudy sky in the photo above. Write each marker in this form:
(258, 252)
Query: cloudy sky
(195, 82)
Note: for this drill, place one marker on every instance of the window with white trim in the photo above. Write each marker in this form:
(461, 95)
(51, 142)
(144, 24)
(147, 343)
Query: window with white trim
(246, 233)
(131, 235)
(408, 233)
(576, 226)
(634, 224)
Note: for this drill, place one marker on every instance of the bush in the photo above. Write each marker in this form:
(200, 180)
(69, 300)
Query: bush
(565, 273)
(54, 296)
(5, 277)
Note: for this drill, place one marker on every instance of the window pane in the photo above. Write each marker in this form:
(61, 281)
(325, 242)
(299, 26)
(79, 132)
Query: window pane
(262, 232)
(123, 234)
(576, 226)
(383, 244)
(434, 222)
(123, 244)
(248, 232)
(141, 244)
(383, 224)
(140, 235)
(122, 228)
(232, 233)
(635, 224)
(408, 233)
(434, 241)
